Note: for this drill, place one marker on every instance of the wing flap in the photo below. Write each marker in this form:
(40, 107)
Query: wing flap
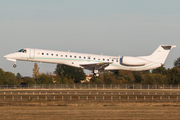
(99, 66)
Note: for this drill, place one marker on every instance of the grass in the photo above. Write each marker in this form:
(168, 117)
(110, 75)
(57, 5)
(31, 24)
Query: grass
(74, 110)
(87, 110)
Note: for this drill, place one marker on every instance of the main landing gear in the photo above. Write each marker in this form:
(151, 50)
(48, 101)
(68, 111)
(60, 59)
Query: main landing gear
(96, 73)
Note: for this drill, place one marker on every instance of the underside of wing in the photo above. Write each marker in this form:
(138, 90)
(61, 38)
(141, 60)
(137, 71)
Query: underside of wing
(97, 66)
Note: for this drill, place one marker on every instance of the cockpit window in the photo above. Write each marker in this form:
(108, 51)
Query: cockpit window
(22, 50)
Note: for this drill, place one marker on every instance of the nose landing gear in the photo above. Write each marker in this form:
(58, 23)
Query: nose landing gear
(14, 65)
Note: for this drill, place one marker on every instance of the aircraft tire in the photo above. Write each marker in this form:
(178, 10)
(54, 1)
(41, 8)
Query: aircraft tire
(14, 65)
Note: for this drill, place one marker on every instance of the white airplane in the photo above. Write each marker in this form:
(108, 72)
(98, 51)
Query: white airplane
(92, 62)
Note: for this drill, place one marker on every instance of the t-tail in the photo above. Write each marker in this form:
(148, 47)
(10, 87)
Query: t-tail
(160, 54)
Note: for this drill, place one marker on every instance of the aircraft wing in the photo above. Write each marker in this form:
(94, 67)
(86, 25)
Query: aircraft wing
(99, 66)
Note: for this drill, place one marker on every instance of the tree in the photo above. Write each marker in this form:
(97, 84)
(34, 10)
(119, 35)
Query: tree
(177, 62)
(2, 77)
(18, 76)
(107, 77)
(127, 75)
(160, 78)
(146, 72)
(148, 79)
(36, 71)
(160, 70)
(98, 80)
(45, 78)
(7, 78)
(28, 81)
(63, 80)
(115, 72)
(173, 75)
(137, 77)
(70, 72)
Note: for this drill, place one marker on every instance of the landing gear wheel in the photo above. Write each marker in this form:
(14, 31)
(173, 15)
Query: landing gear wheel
(14, 65)
(96, 74)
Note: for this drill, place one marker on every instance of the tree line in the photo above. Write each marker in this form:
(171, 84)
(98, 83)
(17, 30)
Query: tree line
(156, 76)
(64, 74)
(159, 75)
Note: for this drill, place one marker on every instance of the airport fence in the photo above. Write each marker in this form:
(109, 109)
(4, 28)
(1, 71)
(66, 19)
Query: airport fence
(91, 86)
(152, 98)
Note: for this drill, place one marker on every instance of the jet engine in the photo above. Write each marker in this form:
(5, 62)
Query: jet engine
(133, 61)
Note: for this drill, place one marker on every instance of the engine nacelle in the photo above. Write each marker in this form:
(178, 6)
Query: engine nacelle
(133, 61)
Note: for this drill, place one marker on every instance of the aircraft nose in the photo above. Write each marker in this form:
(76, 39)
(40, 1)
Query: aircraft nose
(7, 56)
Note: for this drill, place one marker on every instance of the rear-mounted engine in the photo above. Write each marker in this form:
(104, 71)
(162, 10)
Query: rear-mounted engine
(133, 61)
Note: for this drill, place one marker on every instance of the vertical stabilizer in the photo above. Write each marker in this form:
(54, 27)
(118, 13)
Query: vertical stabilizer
(160, 54)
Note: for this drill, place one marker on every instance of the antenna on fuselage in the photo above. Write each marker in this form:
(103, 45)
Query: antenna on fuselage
(68, 50)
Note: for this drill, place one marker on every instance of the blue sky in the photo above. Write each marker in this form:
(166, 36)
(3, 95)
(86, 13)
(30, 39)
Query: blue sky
(111, 27)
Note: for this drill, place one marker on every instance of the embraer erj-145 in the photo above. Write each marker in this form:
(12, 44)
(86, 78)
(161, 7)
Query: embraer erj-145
(92, 62)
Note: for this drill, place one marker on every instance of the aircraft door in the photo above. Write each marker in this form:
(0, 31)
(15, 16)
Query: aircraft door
(31, 54)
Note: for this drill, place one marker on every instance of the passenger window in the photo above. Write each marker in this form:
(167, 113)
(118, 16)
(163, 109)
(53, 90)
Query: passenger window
(42, 53)
(112, 60)
(79, 56)
(103, 59)
(51, 54)
(94, 58)
(66, 56)
(74, 56)
(84, 57)
(61, 55)
(89, 58)
(47, 53)
(99, 59)
(56, 54)
(70, 55)
(107, 59)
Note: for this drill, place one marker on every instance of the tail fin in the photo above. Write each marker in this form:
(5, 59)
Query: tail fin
(160, 54)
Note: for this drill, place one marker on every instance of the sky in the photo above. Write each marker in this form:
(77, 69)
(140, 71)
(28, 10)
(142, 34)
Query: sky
(111, 27)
